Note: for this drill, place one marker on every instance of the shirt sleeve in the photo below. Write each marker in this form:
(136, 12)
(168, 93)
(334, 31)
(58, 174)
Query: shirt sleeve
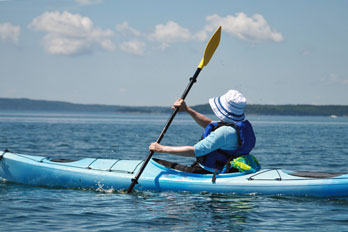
(224, 137)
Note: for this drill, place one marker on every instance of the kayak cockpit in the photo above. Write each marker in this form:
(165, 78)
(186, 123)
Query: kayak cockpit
(169, 167)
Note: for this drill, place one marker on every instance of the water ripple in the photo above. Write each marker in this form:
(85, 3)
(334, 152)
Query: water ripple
(282, 142)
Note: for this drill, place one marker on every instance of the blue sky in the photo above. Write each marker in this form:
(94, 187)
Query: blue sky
(142, 53)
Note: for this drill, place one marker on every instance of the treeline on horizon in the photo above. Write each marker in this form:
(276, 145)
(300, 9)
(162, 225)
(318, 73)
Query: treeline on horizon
(23, 104)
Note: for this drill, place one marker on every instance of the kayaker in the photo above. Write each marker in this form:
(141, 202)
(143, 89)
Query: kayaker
(225, 145)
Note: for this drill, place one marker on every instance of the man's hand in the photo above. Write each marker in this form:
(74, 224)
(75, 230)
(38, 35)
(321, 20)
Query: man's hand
(181, 105)
(156, 147)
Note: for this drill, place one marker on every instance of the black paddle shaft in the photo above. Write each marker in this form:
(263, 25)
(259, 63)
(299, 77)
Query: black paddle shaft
(187, 90)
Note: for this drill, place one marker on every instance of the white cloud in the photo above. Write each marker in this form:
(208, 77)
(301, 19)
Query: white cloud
(253, 28)
(126, 29)
(334, 79)
(69, 34)
(89, 2)
(204, 34)
(107, 45)
(131, 39)
(306, 52)
(170, 33)
(134, 46)
(123, 90)
(9, 32)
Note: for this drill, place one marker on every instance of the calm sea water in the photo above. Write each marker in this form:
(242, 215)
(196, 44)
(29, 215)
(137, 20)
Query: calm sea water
(296, 143)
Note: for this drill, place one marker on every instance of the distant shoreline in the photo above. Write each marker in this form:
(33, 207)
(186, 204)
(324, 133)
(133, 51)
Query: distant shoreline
(24, 104)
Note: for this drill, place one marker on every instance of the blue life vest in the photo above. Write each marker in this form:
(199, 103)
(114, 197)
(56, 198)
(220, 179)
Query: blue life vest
(218, 158)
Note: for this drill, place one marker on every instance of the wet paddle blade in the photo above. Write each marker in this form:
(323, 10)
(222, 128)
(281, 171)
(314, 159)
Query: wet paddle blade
(211, 47)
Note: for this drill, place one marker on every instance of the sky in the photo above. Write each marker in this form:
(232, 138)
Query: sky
(142, 53)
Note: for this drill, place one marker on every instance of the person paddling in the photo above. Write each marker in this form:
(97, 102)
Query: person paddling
(225, 145)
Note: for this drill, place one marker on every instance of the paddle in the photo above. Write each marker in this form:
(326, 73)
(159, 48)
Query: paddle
(208, 53)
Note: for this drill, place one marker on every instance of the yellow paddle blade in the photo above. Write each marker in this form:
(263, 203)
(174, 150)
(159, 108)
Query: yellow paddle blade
(210, 48)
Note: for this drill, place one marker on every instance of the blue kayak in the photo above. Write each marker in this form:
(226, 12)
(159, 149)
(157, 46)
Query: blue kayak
(116, 174)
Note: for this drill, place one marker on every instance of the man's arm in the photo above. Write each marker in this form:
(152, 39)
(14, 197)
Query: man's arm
(201, 119)
(187, 151)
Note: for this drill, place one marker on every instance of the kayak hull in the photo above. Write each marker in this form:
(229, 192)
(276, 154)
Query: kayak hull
(115, 174)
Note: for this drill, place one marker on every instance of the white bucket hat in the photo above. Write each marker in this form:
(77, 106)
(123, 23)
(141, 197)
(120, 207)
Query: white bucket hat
(229, 107)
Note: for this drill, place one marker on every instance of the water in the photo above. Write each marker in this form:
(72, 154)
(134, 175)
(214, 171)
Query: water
(300, 143)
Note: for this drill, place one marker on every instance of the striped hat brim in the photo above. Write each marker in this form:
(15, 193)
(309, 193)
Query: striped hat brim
(226, 111)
